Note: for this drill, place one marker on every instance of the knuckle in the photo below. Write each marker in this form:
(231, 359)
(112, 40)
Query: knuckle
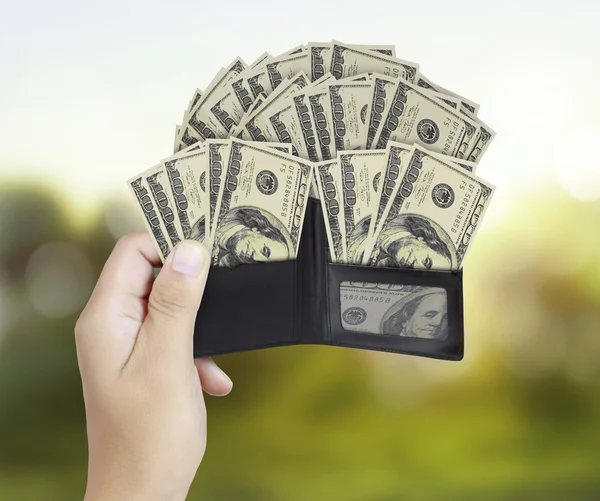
(127, 241)
(169, 300)
(80, 327)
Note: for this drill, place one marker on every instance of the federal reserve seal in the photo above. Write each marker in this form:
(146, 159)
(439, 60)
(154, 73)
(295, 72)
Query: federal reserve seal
(428, 131)
(203, 181)
(376, 181)
(354, 315)
(442, 195)
(266, 182)
(363, 113)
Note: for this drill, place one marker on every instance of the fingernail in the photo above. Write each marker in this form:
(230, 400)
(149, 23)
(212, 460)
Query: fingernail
(188, 258)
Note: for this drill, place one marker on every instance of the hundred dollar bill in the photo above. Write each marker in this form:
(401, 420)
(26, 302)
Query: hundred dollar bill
(397, 157)
(265, 56)
(201, 125)
(141, 193)
(158, 182)
(176, 143)
(187, 178)
(218, 156)
(350, 109)
(292, 123)
(329, 186)
(227, 109)
(432, 215)
(361, 178)
(320, 56)
(239, 131)
(257, 124)
(320, 107)
(383, 91)
(266, 78)
(394, 309)
(416, 115)
(296, 50)
(466, 104)
(481, 142)
(178, 131)
(261, 207)
(347, 61)
(242, 92)
(465, 164)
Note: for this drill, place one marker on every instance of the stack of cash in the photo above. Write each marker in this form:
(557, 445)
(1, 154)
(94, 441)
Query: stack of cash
(390, 154)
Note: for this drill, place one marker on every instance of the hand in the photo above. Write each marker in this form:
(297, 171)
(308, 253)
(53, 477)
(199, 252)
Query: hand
(146, 418)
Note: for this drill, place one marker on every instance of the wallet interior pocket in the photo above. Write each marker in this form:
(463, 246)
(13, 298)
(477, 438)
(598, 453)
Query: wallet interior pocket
(414, 312)
(248, 307)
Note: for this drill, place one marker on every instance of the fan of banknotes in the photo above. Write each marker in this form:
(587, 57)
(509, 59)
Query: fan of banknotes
(390, 154)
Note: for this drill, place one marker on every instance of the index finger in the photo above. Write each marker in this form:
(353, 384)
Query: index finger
(129, 271)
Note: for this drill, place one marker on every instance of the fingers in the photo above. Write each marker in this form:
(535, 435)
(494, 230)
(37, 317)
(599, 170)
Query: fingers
(214, 381)
(174, 301)
(108, 325)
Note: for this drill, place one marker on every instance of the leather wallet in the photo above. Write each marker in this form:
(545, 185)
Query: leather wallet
(299, 301)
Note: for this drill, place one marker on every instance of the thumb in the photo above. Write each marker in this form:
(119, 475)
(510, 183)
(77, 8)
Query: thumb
(175, 298)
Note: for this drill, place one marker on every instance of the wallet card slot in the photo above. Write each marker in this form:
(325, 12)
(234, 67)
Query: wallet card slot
(248, 307)
(414, 312)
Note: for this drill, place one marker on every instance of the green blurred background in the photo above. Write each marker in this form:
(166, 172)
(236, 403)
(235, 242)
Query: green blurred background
(89, 98)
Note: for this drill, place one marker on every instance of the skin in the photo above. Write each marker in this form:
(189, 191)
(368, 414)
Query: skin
(427, 317)
(145, 410)
(255, 245)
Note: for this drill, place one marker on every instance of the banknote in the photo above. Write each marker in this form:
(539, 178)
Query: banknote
(481, 142)
(201, 125)
(320, 56)
(187, 176)
(227, 109)
(431, 217)
(361, 181)
(239, 131)
(242, 92)
(465, 164)
(350, 108)
(152, 220)
(292, 123)
(415, 115)
(466, 104)
(158, 182)
(266, 77)
(383, 87)
(295, 50)
(397, 157)
(265, 56)
(320, 107)
(347, 60)
(394, 309)
(178, 131)
(261, 207)
(218, 156)
(329, 185)
(257, 125)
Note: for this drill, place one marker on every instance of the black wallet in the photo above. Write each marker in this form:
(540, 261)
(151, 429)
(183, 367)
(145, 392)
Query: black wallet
(285, 303)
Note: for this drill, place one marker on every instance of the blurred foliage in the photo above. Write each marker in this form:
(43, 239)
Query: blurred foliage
(517, 419)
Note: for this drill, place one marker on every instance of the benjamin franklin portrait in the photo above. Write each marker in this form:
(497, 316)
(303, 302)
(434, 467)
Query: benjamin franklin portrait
(357, 240)
(199, 230)
(422, 315)
(412, 241)
(250, 235)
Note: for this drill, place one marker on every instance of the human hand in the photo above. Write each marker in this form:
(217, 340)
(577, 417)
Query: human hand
(146, 418)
